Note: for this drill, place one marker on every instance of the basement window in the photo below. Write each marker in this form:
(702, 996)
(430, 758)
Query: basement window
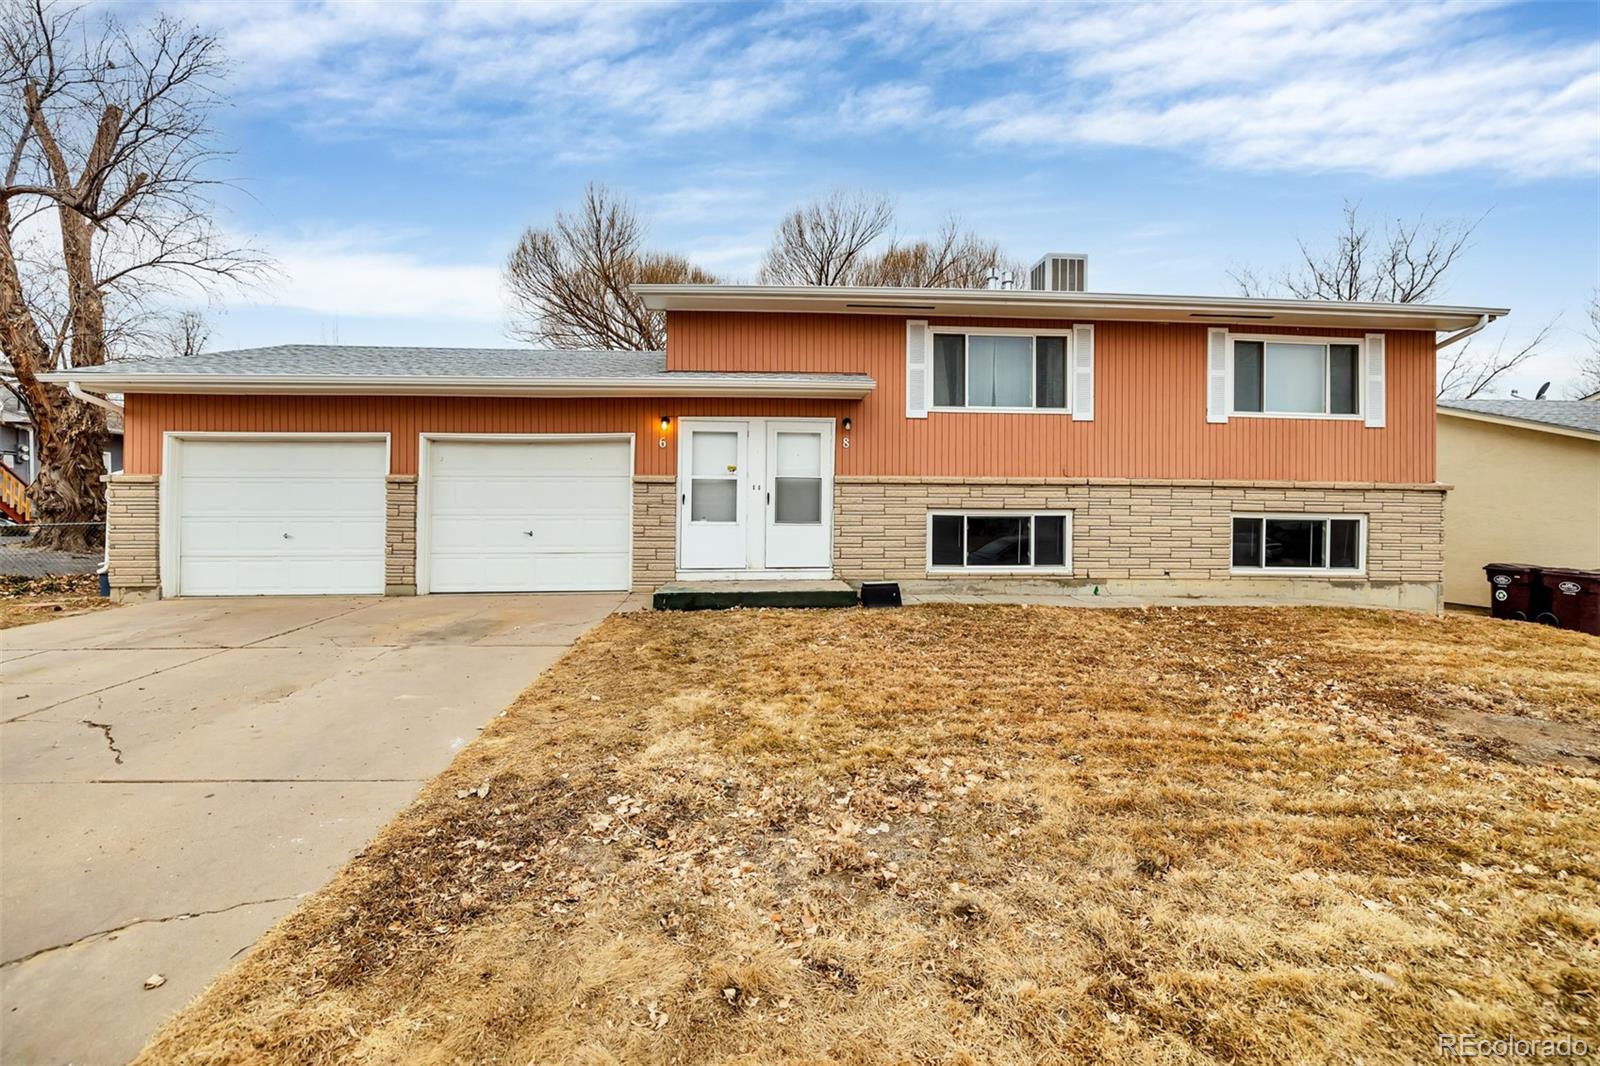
(1316, 543)
(1273, 376)
(1000, 541)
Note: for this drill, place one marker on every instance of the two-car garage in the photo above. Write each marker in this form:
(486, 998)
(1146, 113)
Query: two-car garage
(302, 514)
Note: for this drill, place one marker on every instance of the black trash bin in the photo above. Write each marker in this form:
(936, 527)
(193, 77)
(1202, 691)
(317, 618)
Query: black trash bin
(1574, 598)
(1515, 592)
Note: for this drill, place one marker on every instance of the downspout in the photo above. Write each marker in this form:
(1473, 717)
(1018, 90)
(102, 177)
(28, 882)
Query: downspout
(76, 392)
(1461, 335)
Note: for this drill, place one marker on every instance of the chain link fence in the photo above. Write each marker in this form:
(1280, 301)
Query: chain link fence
(27, 550)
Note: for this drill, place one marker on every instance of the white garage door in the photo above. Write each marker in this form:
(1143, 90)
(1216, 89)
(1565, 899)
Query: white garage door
(280, 517)
(529, 516)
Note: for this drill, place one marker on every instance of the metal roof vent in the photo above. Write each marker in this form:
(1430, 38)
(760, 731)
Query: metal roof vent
(1060, 272)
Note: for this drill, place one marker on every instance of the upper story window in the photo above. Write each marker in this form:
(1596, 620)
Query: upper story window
(1000, 370)
(1296, 377)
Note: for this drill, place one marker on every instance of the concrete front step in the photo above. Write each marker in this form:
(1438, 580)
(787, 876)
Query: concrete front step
(719, 595)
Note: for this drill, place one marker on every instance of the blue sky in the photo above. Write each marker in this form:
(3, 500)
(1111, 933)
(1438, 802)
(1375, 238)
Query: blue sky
(389, 154)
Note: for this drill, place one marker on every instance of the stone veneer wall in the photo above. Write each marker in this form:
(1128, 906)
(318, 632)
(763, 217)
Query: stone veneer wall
(133, 534)
(400, 536)
(655, 531)
(1149, 536)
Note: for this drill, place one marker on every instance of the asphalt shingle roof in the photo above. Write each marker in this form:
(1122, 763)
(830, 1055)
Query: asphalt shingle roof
(1582, 415)
(347, 361)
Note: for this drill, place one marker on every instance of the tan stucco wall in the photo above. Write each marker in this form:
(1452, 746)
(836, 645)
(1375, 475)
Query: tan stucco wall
(1519, 496)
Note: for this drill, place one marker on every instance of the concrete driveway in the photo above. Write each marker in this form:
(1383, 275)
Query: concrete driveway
(175, 776)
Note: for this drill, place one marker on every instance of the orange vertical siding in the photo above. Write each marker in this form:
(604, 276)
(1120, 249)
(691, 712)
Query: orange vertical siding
(406, 418)
(1150, 405)
(1150, 381)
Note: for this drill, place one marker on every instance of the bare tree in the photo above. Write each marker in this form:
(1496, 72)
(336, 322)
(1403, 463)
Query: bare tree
(954, 259)
(186, 333)
(824, 242)
(1403, 262)
(571, 284)
(1588, 384)
(1465, 372)
(107, 140)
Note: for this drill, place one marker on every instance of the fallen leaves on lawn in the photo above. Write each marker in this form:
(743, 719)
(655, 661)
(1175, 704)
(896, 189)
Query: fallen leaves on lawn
(983, 834)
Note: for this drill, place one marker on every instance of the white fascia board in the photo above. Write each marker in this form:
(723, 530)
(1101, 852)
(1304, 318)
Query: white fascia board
(431, 386)
(1029, 303)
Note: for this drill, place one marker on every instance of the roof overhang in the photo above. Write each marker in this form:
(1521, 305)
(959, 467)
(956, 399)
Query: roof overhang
(797, 386)
(1518, 423)
(1027, 303)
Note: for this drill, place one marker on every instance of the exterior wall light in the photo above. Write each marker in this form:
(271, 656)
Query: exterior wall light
(666, 424)
(847, 424)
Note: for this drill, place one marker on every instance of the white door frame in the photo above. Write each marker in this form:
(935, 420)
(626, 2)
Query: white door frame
(169, 499)
(424, 440)
(759, 512)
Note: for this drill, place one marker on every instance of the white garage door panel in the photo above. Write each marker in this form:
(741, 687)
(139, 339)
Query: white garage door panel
(286, 518)
(529, 516)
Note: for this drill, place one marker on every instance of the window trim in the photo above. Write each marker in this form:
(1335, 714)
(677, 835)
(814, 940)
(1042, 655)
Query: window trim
(1360, 570)
(1066, 336)
(1049, 512)
(1359, 343)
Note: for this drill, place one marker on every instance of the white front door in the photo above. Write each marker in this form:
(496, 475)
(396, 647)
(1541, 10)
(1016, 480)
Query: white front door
(799, 499)
(755, 495)
(528, 515)
(714, 495)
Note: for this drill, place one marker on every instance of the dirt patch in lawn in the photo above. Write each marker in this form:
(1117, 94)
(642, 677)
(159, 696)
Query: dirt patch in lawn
(25, 600)
(967, 834)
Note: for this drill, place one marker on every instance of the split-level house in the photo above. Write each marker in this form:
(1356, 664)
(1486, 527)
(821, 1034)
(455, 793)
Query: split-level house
(1125, 444)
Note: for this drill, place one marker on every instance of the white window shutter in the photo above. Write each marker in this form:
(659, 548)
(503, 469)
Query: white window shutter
(1376, 390)
(1083, 373)
(1217, 385)
(919, 374)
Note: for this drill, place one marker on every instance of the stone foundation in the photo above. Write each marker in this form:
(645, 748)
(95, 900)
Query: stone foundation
(400, 536)
(133, 536)
(1151, 538)
(1129, 538)
(655, 532)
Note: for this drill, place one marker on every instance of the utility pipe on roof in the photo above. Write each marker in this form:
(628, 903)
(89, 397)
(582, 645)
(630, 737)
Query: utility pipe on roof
(1462, 334)
(76, 391)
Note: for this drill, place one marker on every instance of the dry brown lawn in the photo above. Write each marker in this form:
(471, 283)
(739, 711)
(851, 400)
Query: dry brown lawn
(25, 600)
(973, 834)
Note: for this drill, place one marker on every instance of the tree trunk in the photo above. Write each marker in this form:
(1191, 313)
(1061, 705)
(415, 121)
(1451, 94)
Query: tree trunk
(68, 496)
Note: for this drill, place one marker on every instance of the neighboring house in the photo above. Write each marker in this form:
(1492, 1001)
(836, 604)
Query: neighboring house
(19, 445)
(1149, 445)
(1525, 488)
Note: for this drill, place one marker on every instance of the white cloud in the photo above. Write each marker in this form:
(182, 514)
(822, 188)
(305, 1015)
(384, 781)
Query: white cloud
(344, 276)
(1393, 90)
(1396, 91)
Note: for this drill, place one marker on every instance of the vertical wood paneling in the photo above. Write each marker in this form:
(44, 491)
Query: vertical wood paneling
(1149, 417)
(1150, 405)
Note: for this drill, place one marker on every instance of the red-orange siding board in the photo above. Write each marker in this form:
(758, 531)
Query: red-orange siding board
(1150, 382)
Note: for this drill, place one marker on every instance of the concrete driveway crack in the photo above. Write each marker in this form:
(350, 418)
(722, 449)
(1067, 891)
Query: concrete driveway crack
(90, 937)
(111, 741)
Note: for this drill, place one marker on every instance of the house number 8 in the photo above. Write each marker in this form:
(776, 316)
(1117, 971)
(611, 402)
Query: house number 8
(844, 442)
